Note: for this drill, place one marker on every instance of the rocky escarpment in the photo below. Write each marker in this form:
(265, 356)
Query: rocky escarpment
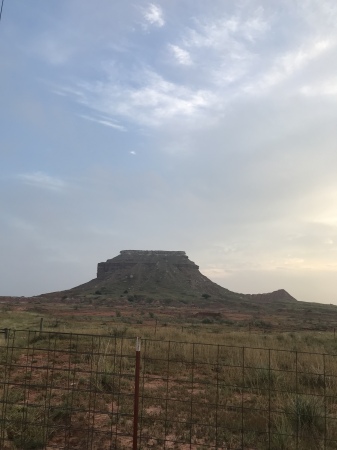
(156, 272)
(128, 259)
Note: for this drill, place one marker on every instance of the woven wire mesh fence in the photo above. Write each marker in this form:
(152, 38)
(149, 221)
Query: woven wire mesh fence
(70, 391)
(227, 397)
(66, 391)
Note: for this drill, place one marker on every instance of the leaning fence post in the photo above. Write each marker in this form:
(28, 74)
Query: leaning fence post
(136, 399)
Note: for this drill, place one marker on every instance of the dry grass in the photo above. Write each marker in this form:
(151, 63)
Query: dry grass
(203, 385)
(244, 392)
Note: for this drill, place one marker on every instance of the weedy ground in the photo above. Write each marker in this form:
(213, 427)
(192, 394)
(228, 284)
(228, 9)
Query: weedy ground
(203, 384)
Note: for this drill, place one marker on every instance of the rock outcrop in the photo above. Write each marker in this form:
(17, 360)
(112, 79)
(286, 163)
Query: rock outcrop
(128, 259)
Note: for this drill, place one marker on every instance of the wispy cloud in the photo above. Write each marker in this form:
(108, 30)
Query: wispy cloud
(288, 64)
(43, 181)
(220, 33)
(181, 56)
(152, 103)
(106, 121)
(227, 56)
(223, 49)
(153, 14)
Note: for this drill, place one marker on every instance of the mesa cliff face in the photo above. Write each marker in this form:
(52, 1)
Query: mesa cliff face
(154, 272)
(128, 259)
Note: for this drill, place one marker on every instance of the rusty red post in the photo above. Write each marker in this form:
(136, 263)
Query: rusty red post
(136, 400)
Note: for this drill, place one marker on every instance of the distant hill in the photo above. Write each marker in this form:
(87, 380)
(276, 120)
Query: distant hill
(160, 274)
(272, 297)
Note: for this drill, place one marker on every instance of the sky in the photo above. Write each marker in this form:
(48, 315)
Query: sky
(203, 126)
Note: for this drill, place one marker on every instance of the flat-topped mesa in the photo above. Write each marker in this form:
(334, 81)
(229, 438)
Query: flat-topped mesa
(127, 259)
(162, 276)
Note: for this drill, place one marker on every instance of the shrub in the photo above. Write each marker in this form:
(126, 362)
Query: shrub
(306, 413)
(207, 320)
(118, 332)
(30, 435)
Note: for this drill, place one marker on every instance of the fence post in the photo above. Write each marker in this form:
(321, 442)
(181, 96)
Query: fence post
(136, 399)
(6, 333)
(41, 324)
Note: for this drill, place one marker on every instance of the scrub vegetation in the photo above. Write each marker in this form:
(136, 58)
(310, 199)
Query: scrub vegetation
(231, 382)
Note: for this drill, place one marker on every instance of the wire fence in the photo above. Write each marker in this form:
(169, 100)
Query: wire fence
(75, 391)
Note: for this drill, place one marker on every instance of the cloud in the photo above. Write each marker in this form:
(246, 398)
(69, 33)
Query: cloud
(154, 15)
(104, 121)
(43, 181)
(288, 64)
(167, 99)
(228, 41)
(152, 103)
(325, 88)
(219, 33)
(181, 56)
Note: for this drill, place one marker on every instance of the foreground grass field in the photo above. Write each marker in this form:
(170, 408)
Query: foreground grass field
(169, 323)
(204, 383)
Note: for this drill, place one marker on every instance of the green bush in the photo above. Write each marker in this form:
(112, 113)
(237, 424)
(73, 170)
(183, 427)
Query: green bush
(306, 413)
